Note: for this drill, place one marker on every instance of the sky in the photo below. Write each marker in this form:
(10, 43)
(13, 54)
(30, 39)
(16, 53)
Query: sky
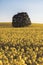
(34, 8)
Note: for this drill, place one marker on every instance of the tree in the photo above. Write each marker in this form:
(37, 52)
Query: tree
(20, 20)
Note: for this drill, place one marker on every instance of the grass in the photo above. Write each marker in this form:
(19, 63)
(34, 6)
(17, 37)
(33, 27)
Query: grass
(21, 46)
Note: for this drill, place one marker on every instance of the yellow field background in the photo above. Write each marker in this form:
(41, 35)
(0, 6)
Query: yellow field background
(21, 46)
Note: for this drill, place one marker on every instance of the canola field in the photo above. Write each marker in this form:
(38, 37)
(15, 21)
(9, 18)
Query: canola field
(21, 46)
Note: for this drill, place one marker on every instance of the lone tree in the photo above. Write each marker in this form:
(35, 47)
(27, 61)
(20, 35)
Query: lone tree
(20, 20)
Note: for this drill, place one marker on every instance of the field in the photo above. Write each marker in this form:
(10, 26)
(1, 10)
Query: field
(21, 46)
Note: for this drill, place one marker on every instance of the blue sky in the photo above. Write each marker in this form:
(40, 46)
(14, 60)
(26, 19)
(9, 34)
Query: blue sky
(34, 8)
